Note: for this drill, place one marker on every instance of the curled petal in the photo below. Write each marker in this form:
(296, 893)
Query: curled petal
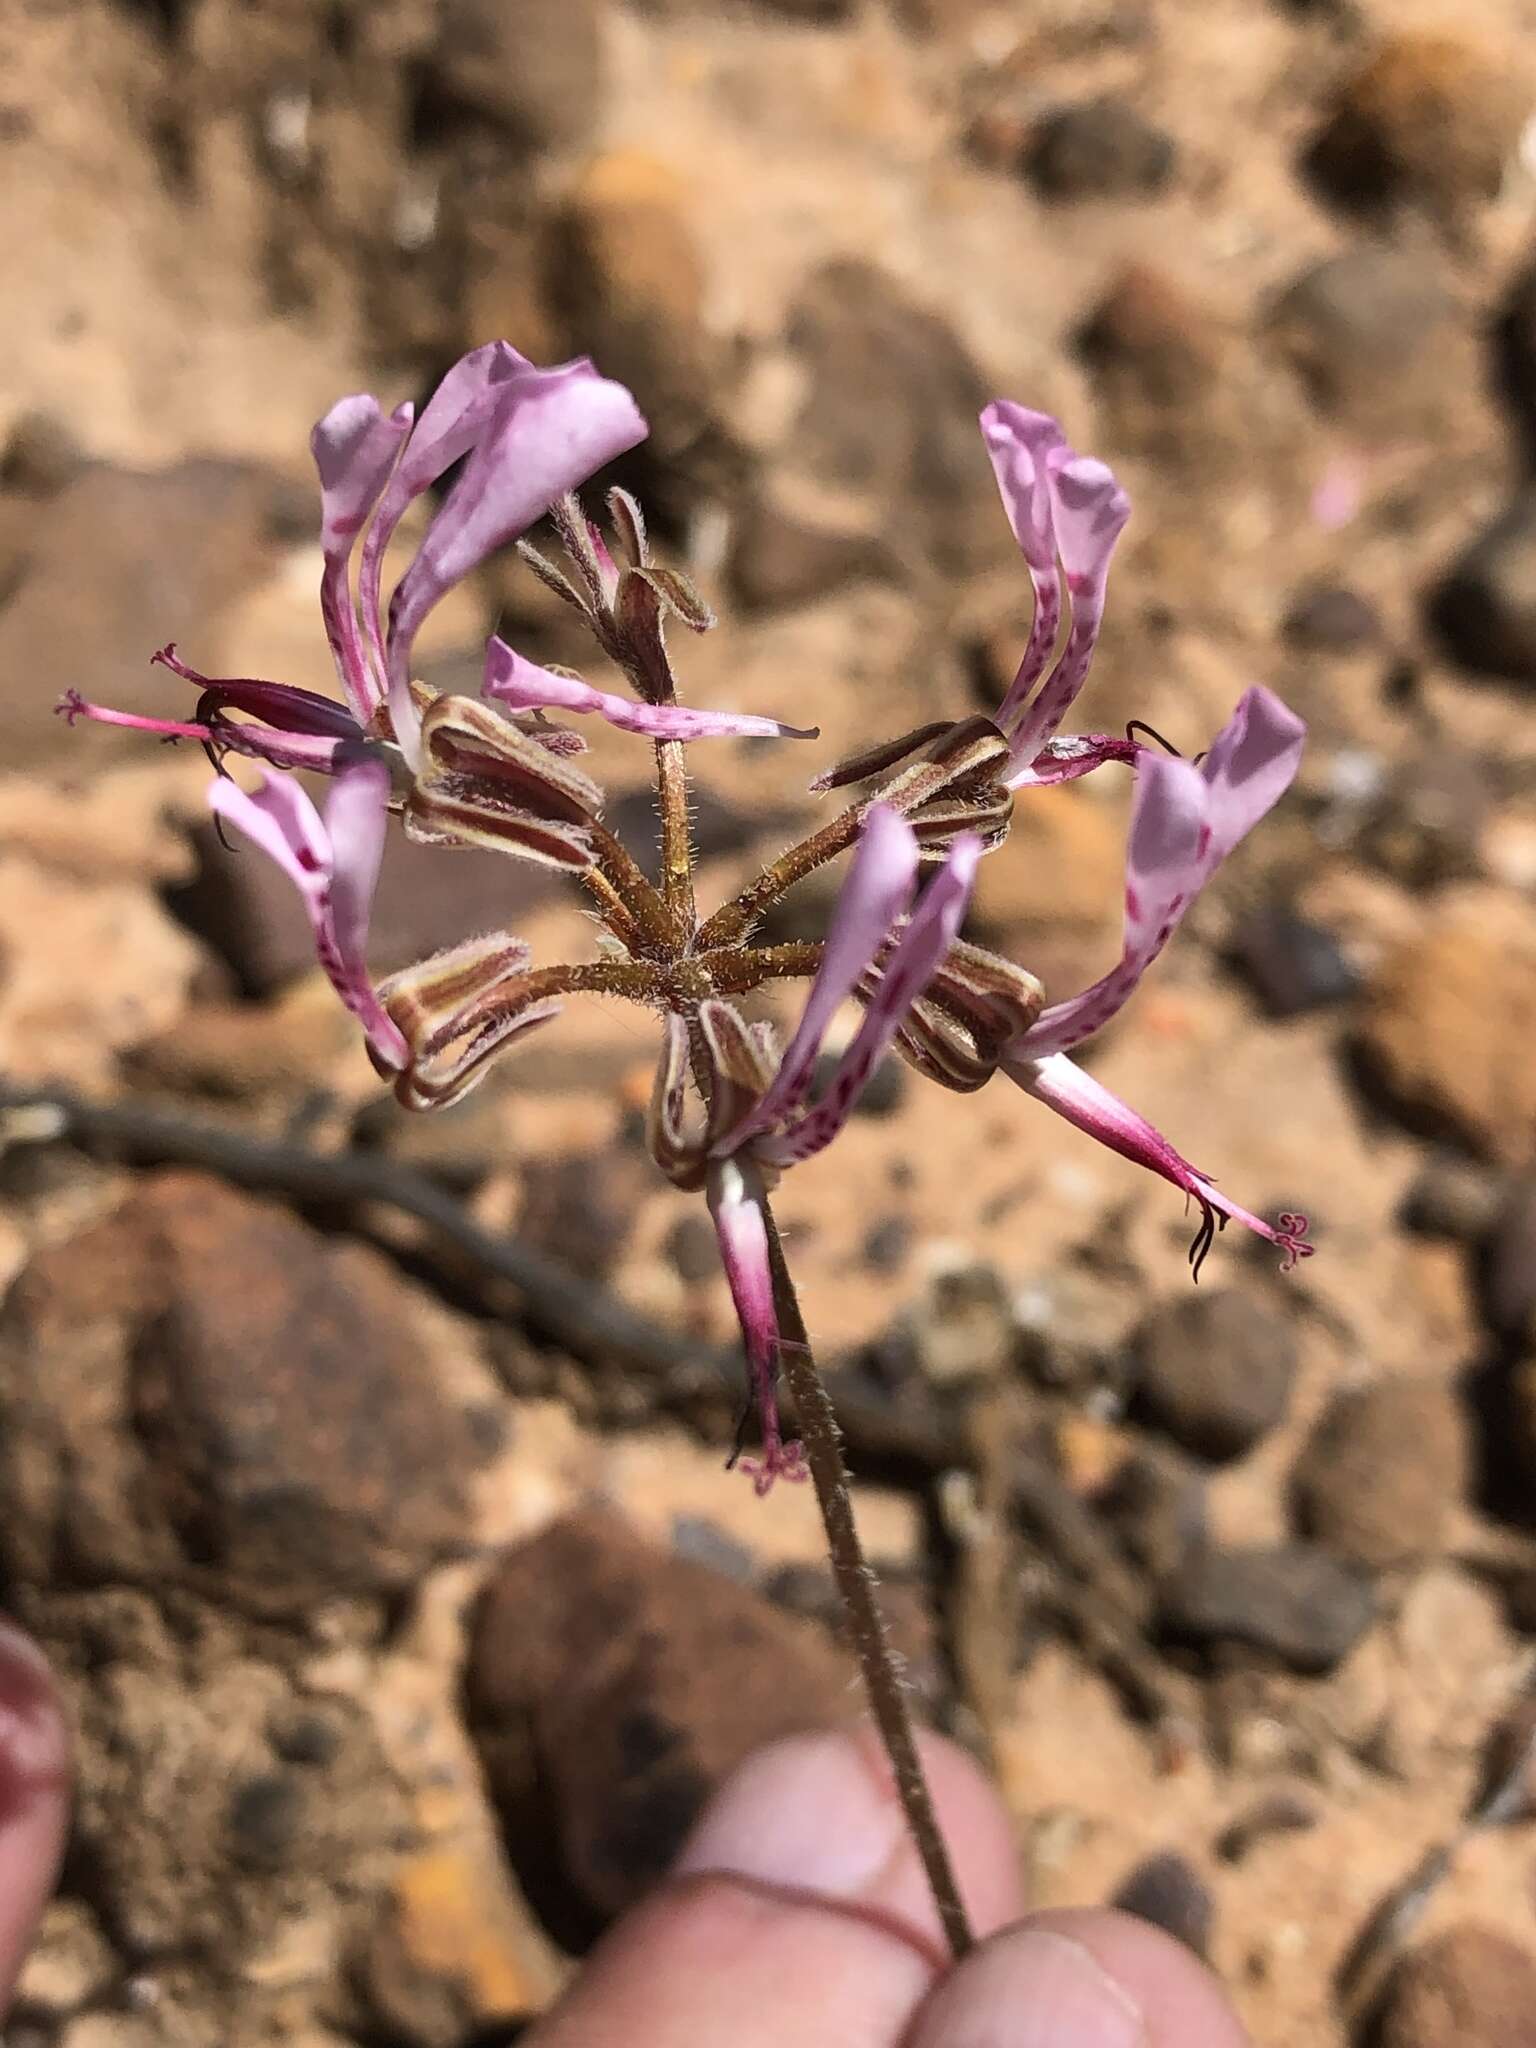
(735, 1196)
(917, 953)
(444, 1077)
(355, 448)
(1021, 444)
(1088, 1104)
(1091, 511)
(743, 1065)
(877, 890)
(509, 679)
(550, 431)
(334, 866)
(430, 1000)
(452, 420)
(1184, 822)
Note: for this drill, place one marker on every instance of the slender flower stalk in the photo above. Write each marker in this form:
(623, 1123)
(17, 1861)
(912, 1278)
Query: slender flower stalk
(732, 1109)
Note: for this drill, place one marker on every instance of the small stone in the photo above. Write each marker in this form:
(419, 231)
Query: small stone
(1428, 827)
(779, 561)
(1149, 344)
(580, 1207)
(886, 437)
(289, 1438)
(1429, 119)
(1329, 618)
(1383, 1471)
(42, 456)
(1468, 1988)
(1373, 337)
(70, 1963)
(1509, 1266)
(1289, 1810)
(962, 1327)
(1448, 1024)
(1453, 1198)
(888, 1245)
(1155, 1504)
(246, 910)
(1485, 609)
(1293, 965)
(534, 68)
(1215, 1371)
(1297, 1602)
(693, 1250)
(611, 1687)
(1169, 1892)
(817, 11)
(1515, 351)
(1099, 149)
(625, 275)
(264, 1817)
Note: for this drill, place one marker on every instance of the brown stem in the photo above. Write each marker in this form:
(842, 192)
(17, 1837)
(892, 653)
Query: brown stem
(676, 835)
(734, 919)
(629, 899)
(735, 969)
(857, 1590)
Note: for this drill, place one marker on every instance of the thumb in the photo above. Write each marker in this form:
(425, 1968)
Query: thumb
(34, 1762)
(798, 1910)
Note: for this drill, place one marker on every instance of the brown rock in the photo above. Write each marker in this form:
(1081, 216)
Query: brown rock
(1375, 340)
(201, 1386)
(1099, 149)
(889, 423)
(1430, 119)
(611, 1688)
(625, 277)
(1168, 1891)
(114, 565)
(1216, 1370)
(1151, 345)
(535, 68)
(779, 560)
(1485, 608)
(1449, 1023)
(1384, 1470)
(1509, 1265)
(1297, 1603)
(1468, 1988)
(243, 906)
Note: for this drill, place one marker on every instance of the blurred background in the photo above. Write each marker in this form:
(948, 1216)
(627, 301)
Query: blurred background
(361, 1566)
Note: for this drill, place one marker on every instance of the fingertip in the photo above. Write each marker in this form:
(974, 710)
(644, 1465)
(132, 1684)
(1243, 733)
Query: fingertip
(34, 1794)
(1095, 1979)
(818, 1814)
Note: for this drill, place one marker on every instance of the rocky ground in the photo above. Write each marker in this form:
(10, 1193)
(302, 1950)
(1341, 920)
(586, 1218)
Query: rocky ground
(354, 1554)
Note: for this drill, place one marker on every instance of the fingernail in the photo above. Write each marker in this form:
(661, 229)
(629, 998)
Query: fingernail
(809, 1814)
(1031, 1989)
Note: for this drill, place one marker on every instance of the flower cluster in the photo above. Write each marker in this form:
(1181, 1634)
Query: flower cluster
(498, 771)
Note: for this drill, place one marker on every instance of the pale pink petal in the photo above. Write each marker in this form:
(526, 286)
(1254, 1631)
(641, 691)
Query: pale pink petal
(1249, 766)
(334, 875)
(551, 430)
(509, 679)
(454, 418)
(1163, 874)
(1090, 511)
(877, 889)
(918, 952)
(1088, 1104)
(1020, 443)
(354, 447)
(1184, 822)
(735, 1195)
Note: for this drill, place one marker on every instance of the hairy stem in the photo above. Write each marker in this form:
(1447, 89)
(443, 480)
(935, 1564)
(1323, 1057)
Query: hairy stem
(631, 905)
(735, 919)
(736, 969)
(857, 1590)
(676, 834)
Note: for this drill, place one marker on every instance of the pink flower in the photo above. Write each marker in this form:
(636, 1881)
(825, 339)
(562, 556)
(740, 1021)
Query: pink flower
(1185, 820)
(762, 1118)
(334, 865)
(1060, 505)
